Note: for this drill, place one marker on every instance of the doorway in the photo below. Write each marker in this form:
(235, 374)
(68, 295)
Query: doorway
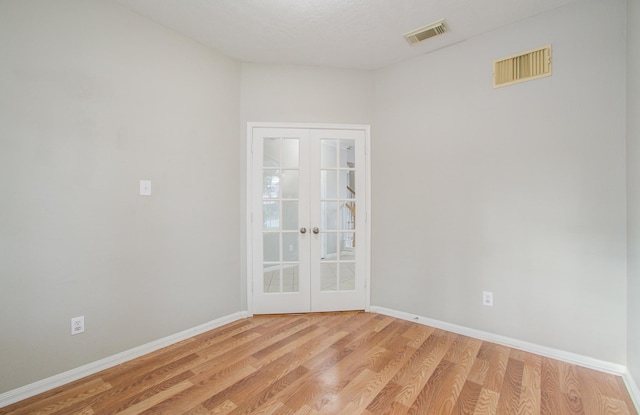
(308, 218)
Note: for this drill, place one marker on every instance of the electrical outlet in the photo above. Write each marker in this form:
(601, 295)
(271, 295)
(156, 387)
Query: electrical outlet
(487, 298)
(77, 325)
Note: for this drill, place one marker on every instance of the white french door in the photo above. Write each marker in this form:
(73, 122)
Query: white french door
(308, 229)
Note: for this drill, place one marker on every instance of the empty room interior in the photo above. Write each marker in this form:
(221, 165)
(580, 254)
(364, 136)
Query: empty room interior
(148, 192)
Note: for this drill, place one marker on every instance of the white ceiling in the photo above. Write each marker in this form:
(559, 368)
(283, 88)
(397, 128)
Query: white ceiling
(364, 34)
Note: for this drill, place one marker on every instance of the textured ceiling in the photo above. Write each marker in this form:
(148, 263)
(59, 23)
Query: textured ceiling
(365, 34)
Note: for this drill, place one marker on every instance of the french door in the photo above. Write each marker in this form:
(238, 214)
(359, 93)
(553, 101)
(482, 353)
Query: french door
(308, 220)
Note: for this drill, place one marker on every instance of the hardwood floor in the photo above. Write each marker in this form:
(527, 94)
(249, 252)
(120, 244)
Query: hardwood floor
(336, 363)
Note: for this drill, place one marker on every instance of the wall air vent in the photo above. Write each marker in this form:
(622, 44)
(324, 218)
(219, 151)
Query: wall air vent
(522, 67)
(434, 29)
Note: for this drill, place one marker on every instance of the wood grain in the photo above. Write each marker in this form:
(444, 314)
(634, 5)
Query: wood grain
(336, 363)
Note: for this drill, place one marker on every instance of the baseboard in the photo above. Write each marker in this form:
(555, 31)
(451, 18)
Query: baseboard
(568, 357)
(60, 379)
(633, 389)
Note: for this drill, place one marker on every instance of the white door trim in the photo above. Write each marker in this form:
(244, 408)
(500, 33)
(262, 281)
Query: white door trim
(249, 196)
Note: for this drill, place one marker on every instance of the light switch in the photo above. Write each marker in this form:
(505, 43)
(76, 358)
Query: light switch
(145, 187)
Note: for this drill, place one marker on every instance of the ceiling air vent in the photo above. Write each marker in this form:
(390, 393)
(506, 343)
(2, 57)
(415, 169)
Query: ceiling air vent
(434, 29)
(523, 67)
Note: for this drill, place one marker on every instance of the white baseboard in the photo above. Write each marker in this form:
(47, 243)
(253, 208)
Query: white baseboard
(60, 379)
(568, 357)
(633, 389)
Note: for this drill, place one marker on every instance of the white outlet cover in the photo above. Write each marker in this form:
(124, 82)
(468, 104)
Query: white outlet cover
(487, 298)
(145, 187)
(77, 325)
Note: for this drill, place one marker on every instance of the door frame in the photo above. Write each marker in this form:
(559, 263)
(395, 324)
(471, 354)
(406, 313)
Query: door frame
(366, 251)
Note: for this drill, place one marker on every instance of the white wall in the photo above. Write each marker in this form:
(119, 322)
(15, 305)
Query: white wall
(633, 185)
(92, 99)
(290, 93)
(518, 190)
(300, 94)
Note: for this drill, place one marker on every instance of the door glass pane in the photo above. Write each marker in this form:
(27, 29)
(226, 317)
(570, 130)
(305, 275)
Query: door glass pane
(328, 181)
(329, 215)
(271, 152)
(270, 215)
(347, 244)
(347, 215)
(290, 278)
(271, 247)
(271, 278)
(328, 277)
(290, 246)
(347, 185)
(329, 246)
(271, 184)
(290, 184)
(290, 153)
(347, 276)
(347, 152)
(328, 153)
(289, 215)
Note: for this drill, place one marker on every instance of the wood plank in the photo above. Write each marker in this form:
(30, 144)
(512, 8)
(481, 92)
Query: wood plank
(468, 399)
(570, 388)
(417, 372)
(511, 388)
(498, 359)
(455, 380)
(530, 393)
(487, 402)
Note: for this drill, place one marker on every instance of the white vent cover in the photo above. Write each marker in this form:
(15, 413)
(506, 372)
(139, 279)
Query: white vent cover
(525, 66)
(424, 33)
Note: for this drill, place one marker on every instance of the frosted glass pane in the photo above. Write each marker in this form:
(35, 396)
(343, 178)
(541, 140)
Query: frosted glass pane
(290, 278)
(289, 215)
(270, 247)
(271, 184)
(347, 153)
(290, 246)
(347, 185)
(328, 277)
(329, 215)
(290, 153)
(271, 152)
(347, 276)
(270, 215)
(271, 278)
(328, 153)
(328, 182)
(290, 184)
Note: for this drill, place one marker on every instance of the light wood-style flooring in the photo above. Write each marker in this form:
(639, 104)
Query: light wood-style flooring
(336, 363)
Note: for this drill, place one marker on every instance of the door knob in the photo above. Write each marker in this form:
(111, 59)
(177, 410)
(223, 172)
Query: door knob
(316, 230)
(303, 230)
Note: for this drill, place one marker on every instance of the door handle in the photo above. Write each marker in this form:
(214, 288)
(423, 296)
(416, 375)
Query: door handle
(315, 230)
(303, 230)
